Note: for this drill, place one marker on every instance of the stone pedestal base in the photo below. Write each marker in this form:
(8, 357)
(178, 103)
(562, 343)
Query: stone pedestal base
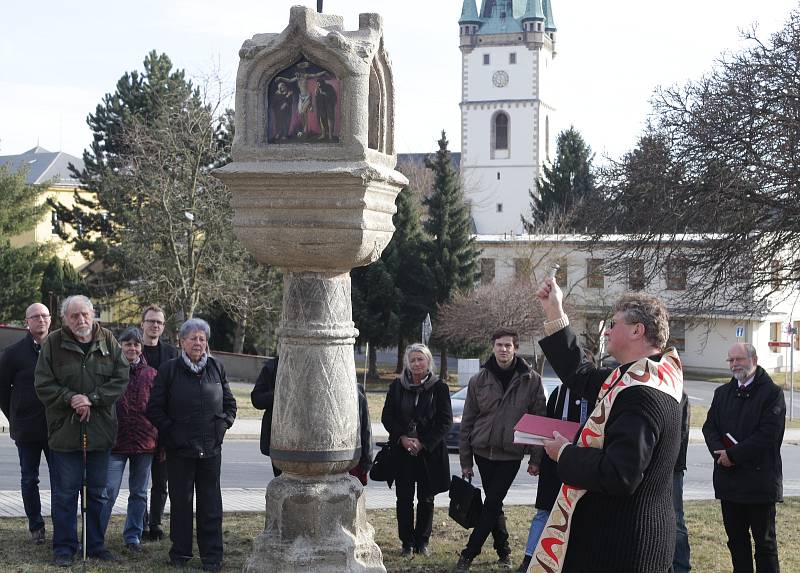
(315, 525)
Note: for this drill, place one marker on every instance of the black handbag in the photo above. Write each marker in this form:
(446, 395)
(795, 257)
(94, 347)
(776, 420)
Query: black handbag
(383, 468)
(465, 502)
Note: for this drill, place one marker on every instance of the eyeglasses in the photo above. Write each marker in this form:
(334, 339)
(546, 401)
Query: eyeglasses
(38, 317)
(154, 321)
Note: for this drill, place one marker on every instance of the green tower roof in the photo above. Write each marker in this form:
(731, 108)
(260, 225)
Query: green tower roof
(534, 11)
(550, 23)
(469, 12)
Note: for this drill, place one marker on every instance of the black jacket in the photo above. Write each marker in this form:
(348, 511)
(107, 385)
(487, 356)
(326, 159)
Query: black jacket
(549, 482)
(191, 411)
(627, 507)
(433, 417)
(159, 354)
(755, 417)
(686, 418)
(262, 397)
(18, 399)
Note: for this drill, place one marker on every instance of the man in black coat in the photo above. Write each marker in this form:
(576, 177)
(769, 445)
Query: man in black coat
(681, 561)
(615, 513)
(25, 412)
(263, 398)
(156, 352)
(744, 433)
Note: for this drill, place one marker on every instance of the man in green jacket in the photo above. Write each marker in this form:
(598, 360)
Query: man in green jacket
(80, 374)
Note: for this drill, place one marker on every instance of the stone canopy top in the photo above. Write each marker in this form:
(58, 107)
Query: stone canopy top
(355, 59)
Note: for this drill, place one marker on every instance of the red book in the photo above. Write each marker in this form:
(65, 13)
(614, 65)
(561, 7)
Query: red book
(533, 429)
(729, 441)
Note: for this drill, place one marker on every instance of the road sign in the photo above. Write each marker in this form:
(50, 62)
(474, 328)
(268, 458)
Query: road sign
(740, 332)
(778, 344)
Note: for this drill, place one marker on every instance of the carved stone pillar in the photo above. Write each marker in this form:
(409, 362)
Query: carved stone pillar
(313, 186)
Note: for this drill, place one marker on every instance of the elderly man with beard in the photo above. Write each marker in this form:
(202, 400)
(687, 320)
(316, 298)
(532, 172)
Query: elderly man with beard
(744, 433)
(80, 374)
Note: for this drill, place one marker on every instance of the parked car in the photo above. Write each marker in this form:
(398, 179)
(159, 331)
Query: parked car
(457, 400)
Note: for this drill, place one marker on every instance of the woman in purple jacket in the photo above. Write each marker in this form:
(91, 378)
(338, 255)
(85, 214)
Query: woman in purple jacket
(136, 441)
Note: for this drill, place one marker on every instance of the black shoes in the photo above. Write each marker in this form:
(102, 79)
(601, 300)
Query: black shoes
(156, 533)
(463, 565)
(212, 566)
(505, 561)
(177, 563)
(105, 555)
(133, 547)
(422, 549)
(37, 536)
(523, 567)
(63, 560)
(407, 551)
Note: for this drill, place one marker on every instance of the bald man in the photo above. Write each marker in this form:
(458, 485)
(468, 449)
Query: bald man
(744, 433)
(25, 412)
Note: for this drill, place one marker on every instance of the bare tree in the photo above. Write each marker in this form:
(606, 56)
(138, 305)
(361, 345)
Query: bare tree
(714, 186)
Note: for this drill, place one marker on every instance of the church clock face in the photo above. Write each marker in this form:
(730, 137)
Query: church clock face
(500, 78)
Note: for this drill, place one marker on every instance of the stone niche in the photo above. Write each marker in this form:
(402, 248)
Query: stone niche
(315, 103)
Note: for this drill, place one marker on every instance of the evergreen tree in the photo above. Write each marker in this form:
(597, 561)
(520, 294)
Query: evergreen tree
(453, 257)
(20, 211)
(59, 280)
(405, 258)
(564, 185)
(100, 219)
(375, 303)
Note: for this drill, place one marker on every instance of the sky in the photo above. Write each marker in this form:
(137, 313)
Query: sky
(60, 58)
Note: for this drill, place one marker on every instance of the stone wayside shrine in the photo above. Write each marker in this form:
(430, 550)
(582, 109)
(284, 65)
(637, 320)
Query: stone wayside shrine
(314, 190)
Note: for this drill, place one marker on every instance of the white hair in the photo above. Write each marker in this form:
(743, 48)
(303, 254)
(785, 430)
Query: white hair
(75, 297)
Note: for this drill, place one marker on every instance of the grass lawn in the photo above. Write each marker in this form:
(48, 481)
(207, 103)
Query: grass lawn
(707, 538)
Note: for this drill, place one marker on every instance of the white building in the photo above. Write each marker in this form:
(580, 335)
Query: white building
(702, 341)
(507, 107)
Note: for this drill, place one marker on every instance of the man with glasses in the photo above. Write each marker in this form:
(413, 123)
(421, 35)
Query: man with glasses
(744, 433)
(614, 512)
(156, 352)
(25, 412)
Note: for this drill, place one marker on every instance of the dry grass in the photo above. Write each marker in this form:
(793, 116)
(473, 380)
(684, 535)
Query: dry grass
(707, 537)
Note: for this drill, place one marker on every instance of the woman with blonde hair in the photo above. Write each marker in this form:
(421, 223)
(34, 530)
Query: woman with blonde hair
(417, 414)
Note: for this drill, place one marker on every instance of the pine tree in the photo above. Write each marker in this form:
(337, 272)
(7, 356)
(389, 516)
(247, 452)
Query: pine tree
(100, 219)
(59, 280)
(564, 185)
(20, 211)
(453, 257)
(406, 260)
(375, 302)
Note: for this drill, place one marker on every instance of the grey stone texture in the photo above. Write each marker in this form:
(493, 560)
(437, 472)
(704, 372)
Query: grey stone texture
(316, 209)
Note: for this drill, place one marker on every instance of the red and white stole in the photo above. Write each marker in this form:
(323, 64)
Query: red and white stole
(665, 375)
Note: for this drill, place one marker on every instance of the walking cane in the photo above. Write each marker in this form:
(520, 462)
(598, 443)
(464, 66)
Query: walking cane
(84, 444)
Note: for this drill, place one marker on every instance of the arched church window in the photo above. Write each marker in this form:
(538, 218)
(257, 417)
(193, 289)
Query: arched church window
(501, 131)
(500, 125)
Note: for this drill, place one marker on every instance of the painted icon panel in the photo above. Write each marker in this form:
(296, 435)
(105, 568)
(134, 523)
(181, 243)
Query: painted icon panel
(303, 105)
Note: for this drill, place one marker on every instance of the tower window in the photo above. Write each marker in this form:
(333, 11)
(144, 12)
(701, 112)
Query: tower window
(512, 58)
(498, 176)
(499, 136)
(486, 60)
(499, 207)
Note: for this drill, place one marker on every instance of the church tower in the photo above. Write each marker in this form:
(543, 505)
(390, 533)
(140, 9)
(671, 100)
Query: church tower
(507, 107)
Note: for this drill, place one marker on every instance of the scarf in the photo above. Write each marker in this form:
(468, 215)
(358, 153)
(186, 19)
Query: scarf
(665, 375)
(195, 367)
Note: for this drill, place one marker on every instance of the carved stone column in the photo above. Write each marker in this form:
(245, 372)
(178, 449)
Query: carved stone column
(313, 187)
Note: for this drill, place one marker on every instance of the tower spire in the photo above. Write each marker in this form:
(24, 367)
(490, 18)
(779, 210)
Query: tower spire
(469, 12)
(549, 22)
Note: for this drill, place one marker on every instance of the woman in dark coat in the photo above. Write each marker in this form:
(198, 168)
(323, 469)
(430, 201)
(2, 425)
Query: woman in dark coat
(136, 442)
(417, 414)
(192, 406)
